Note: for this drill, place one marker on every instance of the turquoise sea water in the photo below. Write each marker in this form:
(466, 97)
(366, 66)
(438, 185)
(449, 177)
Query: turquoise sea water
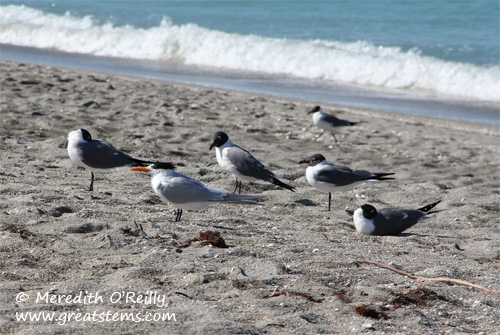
(462, 31)
(444, 49)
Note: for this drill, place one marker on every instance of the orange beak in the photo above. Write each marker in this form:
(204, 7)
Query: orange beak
(140, 168)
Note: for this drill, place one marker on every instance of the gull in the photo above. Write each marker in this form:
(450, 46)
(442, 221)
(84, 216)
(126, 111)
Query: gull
(389, 221)
(329, 177)
(94, 154)
(241, 163)
(328, 122)
(188, 193)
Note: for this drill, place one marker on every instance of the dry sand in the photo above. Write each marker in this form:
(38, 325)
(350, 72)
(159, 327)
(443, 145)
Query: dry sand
(291, 266)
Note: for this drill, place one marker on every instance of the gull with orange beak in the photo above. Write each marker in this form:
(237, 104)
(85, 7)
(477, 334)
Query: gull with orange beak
(188, 193)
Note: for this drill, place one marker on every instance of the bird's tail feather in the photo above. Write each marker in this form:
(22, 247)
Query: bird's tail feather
(242, 198)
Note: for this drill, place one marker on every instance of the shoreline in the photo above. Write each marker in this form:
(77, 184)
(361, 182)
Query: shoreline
(442, 122)
(397, 102)
(290, 266)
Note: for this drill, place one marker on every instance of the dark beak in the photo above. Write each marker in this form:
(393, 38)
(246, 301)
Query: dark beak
(211, 146)
(303, 161)
(314, 110)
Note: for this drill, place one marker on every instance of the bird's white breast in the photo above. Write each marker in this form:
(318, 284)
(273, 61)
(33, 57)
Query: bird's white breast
(363, 225)
(222, 157)
(320, 122)
(75, 144)
(311, 176)
(226, 163)
(311, 172)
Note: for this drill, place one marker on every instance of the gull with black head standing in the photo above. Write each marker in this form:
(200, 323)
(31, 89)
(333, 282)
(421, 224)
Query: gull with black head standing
(241, 163)
(94, 154)
(328, 177)
(328, 122)
(389, 221)
(188, 193)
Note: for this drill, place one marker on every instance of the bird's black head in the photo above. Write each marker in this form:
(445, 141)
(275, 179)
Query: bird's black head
(369, 211)
(220, 138)
(314, 110)
(86, 135)
(163, 166)
(313, 160)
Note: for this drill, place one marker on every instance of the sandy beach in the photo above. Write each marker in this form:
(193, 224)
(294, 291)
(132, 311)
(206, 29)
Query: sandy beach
(90, 259)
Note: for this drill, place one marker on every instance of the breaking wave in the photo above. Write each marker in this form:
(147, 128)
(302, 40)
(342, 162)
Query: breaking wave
(360, 63)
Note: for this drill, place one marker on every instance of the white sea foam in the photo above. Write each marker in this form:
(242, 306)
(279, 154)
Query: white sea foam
(359, 63)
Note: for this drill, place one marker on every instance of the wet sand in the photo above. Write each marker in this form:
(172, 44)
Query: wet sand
(290, 266)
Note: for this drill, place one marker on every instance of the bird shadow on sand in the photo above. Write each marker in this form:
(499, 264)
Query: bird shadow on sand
(421, 235)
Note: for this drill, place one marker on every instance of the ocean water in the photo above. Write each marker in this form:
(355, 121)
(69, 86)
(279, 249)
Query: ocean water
(444, 49)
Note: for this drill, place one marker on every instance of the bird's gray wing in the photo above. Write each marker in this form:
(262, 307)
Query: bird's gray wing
(184, 189)
(393, 221)
(101, 155)
(247, 164)
(340, 175)
(335, 121)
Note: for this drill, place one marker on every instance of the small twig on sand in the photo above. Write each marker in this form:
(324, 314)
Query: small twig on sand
(443, 279)
(183, 294)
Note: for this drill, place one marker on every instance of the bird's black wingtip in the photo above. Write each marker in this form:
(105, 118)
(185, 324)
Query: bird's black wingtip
(156, 164)
(282, 184)
(140, 162)
(288, 187)
(428, 207)
(384, 176)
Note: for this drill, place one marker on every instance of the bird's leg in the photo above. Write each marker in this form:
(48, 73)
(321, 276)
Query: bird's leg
(329, 200)
(235, 186)
(239, 191)
(91, 187)
(322, 132)
(335, 138)
(178, 215)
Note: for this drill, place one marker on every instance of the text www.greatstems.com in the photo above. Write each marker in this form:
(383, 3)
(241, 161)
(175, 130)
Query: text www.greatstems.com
(61, 318)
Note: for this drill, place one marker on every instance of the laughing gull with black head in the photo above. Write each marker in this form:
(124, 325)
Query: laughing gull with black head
(328, 122)
(188, 193)
(389, 221)
(241, 163)
(94, 154)
(329, 177)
